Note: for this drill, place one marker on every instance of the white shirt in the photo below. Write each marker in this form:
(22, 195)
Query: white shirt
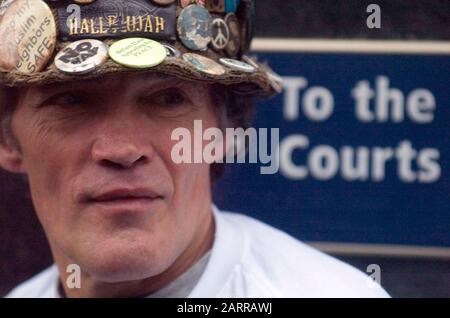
(252, 259)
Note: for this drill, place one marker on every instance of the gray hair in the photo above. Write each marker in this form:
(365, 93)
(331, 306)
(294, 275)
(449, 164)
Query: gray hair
(234, 110)
(8, 101)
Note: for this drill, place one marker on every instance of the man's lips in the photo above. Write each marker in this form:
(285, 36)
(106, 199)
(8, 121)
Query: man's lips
(123, 195)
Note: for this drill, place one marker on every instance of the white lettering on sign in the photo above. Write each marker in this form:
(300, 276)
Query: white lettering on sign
(385, 104)
(376, 104)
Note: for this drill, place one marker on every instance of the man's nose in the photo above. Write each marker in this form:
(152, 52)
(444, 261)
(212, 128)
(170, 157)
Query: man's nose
(117, 153)
(122, 141)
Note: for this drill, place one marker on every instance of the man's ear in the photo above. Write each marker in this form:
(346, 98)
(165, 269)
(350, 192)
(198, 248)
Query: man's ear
(11, 158)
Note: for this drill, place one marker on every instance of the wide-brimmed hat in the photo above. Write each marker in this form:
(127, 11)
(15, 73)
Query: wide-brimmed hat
(44, 42)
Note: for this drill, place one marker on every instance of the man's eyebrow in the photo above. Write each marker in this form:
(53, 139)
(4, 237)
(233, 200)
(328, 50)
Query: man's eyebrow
(157, 79)
(49, 88)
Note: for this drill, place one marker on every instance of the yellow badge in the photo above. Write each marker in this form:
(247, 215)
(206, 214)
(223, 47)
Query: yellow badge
(137, 52)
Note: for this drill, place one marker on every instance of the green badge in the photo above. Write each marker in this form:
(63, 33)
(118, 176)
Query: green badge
(137, 52)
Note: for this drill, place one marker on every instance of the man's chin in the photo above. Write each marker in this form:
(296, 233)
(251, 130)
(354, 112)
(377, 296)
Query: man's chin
(112, 254)
(121, 266)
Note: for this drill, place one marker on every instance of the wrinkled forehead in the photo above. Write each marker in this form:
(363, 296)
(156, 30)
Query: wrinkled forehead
(117, 80)
(118, 83)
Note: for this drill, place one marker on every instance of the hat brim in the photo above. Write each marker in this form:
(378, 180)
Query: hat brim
(257, 84)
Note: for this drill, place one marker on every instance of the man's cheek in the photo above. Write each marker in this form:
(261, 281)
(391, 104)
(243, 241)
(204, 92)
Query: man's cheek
(190, 178)
(45, 175)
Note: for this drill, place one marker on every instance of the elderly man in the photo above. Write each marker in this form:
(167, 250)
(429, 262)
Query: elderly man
(91, 93)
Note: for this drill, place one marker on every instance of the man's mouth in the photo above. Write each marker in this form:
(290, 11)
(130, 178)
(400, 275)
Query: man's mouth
(125, 197)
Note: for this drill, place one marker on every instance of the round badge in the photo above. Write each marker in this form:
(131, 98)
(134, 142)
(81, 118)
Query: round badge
(234, 44)
(83, 1)
(185, 3)
(137, 52)
(28, 36)
(220, 34)
(194, 27)
(164, 2)
(81, 56)
(171, 51)
(4, 5)
(204, 64)
(250, 61)
(217, 6)
(237, 65)
(275, 80)
(231, 5)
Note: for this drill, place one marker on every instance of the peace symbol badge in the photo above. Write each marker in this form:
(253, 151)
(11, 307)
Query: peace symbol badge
(220, 34)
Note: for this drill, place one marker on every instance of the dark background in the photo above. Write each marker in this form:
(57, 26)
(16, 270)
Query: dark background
(401, 19)
(24, 251)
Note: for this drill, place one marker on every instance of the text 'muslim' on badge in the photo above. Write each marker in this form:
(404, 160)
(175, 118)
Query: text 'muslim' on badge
(104, 18)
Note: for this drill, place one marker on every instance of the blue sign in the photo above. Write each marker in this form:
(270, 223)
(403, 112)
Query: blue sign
(364, 150)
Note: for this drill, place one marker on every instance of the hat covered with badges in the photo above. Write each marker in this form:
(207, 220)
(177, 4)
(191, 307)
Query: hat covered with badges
(44, 42)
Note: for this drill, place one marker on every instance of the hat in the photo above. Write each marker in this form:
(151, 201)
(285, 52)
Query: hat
(44, 42)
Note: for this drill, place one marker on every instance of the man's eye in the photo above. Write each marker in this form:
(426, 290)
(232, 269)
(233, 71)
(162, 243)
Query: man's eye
(167, 98)
(67, 99)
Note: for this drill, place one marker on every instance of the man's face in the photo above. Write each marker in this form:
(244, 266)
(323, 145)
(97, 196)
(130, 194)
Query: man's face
(98, 158)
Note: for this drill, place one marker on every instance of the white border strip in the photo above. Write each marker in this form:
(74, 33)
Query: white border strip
(356, 249)
(350, 46)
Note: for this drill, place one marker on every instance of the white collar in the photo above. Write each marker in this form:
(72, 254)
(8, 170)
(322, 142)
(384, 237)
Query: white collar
(227, 251)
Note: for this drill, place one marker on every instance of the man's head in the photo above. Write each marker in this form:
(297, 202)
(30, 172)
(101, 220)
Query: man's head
(96, 146)
(98, 160)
